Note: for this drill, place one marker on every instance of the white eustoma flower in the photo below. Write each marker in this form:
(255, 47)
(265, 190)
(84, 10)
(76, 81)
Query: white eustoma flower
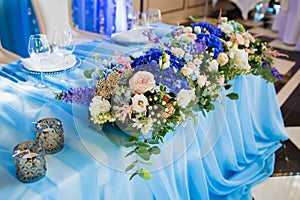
(99, 105)
(139, 103)
(184, 97)
(213, 65)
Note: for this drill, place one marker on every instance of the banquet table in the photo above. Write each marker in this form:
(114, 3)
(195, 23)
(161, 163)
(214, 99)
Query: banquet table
(222, 156)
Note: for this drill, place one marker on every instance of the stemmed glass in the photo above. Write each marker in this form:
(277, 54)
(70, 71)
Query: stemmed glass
(138, 20)
(39, 49)
(63, 44)
(153, 15)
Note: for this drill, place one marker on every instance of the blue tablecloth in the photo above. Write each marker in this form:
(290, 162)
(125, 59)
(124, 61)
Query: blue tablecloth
(220, 157)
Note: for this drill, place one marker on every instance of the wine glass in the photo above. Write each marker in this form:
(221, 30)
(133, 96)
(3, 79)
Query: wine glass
(63, 44)
(153, 15)
(138, 20)
(39, 49)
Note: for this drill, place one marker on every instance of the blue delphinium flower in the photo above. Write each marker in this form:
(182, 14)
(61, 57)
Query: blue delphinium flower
(276, 73)
(211, 41)
(77, 95)
(154, 55)
(211, 29)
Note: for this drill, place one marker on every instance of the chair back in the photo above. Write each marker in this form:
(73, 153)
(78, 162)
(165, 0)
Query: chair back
(52, 14)
(6, 56)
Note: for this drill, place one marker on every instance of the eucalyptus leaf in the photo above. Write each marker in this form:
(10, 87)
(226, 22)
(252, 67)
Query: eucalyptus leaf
(131, 166)
(88, 73)
(129, 144)
(142, 144)
(154, 150)
(227, 86)
(130, 153)
(233, 96)
(143, 153)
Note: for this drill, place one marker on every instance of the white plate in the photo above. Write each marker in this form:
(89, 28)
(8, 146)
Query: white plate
(53, 65)
(134, 36)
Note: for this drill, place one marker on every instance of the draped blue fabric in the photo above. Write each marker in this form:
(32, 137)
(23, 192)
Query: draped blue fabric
(221, 157)
(17, 20)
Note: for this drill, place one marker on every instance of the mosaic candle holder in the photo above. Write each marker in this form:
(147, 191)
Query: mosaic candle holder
(50, 134)
(29, 161)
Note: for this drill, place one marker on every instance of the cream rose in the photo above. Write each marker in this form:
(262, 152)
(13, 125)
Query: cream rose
(222, 59)
(139, 103)
(142, 82)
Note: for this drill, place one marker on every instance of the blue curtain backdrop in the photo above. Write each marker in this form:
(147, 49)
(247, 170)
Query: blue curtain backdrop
(18, 22)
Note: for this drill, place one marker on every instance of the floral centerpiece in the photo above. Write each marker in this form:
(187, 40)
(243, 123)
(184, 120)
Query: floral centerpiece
(148, 95)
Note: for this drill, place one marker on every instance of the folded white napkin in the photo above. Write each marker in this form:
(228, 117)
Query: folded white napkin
(134, 36)
(52, 64)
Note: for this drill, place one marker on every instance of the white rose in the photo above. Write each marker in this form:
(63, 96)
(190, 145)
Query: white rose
(201, 80)
(197, 29)
(226, 28)
(188, 30)
(99, 105)
(213, 65)
(184, 97)
(139, 103)
(240, 58)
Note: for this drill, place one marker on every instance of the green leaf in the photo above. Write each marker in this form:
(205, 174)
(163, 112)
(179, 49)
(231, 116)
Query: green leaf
(154, 150)
(88, 73)
(233, 96)
(131, 166)
(142, 144)
(129, 144)
(145, 174)
(228, 86)
(143, 153)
